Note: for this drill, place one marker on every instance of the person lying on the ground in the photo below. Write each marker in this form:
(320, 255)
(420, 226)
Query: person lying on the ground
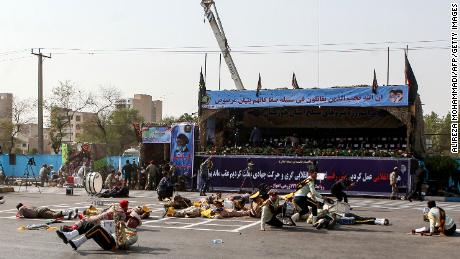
(115, 192)
(117, 235)
(178, 202)
(440, 223)
(31, 212)
(114, 212)
(220, 212)
(190, 212)
(143, 211)
(239, 200)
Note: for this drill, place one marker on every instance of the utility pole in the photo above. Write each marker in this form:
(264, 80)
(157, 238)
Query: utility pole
(40, 98)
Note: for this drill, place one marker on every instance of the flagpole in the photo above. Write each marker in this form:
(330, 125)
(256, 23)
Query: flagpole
(388, 65)
(405, 53)
(205, 66)
(220, 65)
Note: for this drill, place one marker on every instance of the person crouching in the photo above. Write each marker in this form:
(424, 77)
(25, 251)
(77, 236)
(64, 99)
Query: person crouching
(439, 222)
(270, 208)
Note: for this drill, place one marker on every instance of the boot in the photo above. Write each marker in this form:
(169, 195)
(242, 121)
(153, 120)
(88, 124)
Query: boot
(314, 219)
(76, 243)
(75, 213)
(295, 217)
(66, 236)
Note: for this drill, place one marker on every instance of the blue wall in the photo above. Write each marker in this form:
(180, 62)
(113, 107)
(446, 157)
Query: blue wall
(54, 160)
(21, 164)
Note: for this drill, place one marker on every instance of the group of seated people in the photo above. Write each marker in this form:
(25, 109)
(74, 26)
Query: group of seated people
(114, 227)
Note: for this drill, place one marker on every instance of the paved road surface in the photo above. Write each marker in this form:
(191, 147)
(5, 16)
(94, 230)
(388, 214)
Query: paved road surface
(191, 238)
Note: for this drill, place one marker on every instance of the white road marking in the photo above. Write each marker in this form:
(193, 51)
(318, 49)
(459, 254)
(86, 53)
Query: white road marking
(199, 223)
(247, 226)
(200, 229)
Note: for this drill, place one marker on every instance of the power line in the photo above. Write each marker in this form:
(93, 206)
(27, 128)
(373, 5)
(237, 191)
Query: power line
(239, 51)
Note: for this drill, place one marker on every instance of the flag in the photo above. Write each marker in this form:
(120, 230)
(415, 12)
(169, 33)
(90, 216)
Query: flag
(411, 81)
(201, 91)
(138, 132)
(259, 86)
(295, 85)
(374, 84)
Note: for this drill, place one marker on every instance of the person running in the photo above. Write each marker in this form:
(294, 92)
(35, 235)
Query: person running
(205, 167)
(338, 188)
(307, 188)
(417, 191)
(127, 173)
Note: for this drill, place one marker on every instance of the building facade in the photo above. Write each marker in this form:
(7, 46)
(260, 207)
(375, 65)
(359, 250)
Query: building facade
(6, 114)
(75, 128)
(27, 139)
(150, 110)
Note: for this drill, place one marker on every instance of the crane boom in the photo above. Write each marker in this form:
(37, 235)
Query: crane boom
(219, 33)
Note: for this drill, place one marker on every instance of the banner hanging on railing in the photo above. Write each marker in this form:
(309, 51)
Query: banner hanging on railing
(370, 174)
(336, 97)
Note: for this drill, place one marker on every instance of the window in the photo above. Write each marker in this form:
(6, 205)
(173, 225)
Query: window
(24, 145)
(78, 118)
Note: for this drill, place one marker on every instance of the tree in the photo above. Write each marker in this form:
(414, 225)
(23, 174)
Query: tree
(66, 100)
(103, 104)
(441, 168)
(119, 132)
(438, 130)
(21, 115)
(121, 128)
(183, 118)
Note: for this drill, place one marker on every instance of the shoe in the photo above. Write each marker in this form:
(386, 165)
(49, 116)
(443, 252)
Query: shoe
(72, 244)
(62, 236)
(413, 231)
(66, 236)
(75, 213)
(78, 242)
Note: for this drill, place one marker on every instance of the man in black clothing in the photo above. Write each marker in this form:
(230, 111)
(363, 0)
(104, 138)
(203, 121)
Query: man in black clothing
(338, 188)
(419, 177)
(127, 173)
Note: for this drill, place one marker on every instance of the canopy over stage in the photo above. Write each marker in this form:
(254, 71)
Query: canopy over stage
(351, 117)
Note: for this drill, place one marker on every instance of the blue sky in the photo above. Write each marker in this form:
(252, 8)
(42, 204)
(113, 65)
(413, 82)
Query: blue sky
(178, 25)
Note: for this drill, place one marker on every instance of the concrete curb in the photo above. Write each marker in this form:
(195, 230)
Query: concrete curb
(440, 198)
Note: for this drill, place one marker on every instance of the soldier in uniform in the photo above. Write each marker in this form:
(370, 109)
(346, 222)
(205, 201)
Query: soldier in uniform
(116, 235)
(393, 183)
(31, 212)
